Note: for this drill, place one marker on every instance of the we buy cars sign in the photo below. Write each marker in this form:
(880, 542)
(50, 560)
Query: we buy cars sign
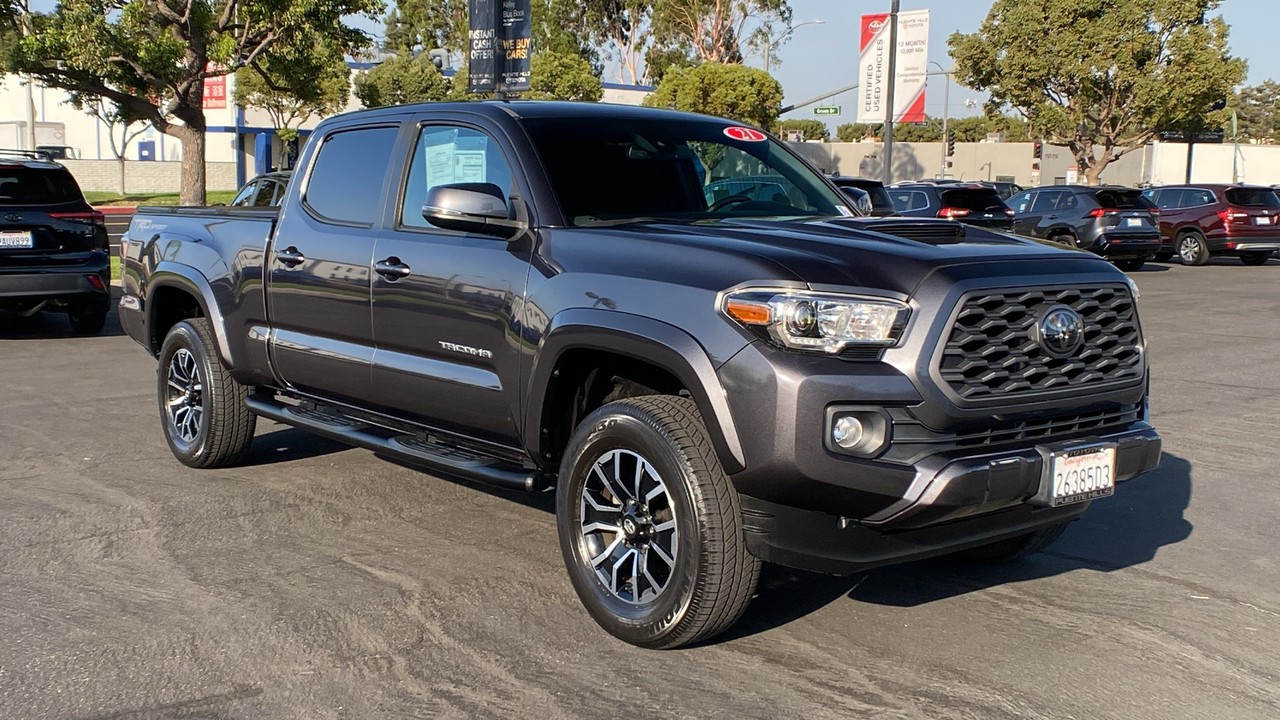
(912, 64)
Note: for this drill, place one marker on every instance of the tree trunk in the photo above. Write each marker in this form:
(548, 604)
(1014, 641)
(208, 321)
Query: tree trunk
(193, 170)
(120, 159)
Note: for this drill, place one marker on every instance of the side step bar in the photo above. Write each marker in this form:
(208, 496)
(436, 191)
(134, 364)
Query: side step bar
(412, 449)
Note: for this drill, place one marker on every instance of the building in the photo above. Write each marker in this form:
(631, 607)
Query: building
(241, 142)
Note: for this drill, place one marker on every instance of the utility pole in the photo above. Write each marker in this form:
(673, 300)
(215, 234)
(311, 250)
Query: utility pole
(888, 113)
(946, 117)
(30, 101)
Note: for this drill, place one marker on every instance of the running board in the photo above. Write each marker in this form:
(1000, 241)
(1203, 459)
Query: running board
(416, 450)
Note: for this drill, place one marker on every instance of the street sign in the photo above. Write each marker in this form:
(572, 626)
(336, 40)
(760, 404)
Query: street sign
(828, 110)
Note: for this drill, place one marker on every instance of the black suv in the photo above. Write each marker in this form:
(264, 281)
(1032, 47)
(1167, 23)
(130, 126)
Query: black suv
(972, 204)
(54, 251)
(1115, 222)
(881, 203)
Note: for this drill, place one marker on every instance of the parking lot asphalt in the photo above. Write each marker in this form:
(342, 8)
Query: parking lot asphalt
(322, 582)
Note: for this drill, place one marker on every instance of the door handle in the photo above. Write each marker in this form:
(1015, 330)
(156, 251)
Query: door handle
(290, 256)
(391, 268)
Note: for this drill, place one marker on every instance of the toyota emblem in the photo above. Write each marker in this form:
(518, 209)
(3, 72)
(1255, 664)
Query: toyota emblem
(13, 217)
(1060, 331)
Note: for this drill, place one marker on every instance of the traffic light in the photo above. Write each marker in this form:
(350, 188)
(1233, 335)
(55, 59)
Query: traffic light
(1039, 150)
(951, 143)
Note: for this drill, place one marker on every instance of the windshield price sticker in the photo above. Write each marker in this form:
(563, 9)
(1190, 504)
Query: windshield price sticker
(745, 134)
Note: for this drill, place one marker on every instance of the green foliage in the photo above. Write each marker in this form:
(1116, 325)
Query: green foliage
(1103, 75)
(562, 76)
(810, 129)
(400, 80)
(930, 131)
(659, 60)
(856, 132)
(1258, 108)
(152, 57)
(716, 30)
(729, 91)
(426, 25)
(288, 109)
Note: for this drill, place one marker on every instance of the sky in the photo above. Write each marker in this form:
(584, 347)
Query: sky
(818, 58)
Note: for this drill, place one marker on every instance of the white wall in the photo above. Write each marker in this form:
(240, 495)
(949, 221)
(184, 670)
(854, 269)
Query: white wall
(145, 177)
(914, 161)
(1256, 165)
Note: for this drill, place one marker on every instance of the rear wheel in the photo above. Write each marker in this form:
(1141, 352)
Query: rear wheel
(1015, 548)
(1063, 238)
(1131, 264)
(1255, 258)
(650, 526)
(206, 421)
(1192, 249)
(87, 317)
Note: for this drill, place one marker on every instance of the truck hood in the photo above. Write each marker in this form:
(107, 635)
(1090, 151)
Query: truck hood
(892, 254)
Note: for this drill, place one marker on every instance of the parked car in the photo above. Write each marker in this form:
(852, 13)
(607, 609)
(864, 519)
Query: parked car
(533, 294)
(1201, 221)
(971, 204)
(1007, 189)
(881, 203)
(59, 152)
(1115, 222)
(54, 251)
(263, 191)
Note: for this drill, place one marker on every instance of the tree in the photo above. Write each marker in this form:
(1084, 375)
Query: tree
(562, 76)
(623, 30)
(152, 57)
(809, 129)
(288, 111)
(1258, 108)
(1105, 75)
(422, 25)
(399, 80)
(121, 130)
(730, 91)
(929, 131)
(715, 30)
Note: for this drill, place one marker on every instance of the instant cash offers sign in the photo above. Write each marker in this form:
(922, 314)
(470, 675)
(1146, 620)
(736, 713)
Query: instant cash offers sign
(912, 64)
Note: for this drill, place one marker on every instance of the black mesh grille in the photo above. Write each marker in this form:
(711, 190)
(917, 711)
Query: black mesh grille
(991, 351)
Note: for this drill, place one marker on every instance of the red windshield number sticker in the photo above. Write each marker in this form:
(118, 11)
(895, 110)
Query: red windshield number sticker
(745, 134)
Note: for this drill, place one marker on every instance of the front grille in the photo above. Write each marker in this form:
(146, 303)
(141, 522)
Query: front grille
(911, 440)
(992, 353)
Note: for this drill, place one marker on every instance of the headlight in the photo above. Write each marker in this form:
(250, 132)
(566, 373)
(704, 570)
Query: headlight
(822, 322)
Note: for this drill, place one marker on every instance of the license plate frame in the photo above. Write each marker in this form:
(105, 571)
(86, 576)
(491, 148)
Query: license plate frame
(1094, 465)
(1134, 222)
(16, 240)
(1263, 220)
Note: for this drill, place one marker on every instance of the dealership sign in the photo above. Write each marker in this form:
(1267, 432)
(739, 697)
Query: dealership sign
(912, 64)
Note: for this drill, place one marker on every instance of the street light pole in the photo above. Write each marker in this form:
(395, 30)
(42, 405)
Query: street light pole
(946, 116)
(893, 77)
(769, 45)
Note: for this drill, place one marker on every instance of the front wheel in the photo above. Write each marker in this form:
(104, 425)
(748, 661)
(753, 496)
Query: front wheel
(1131, 264)
(87, 317)
(650, 526)
(202, 409)
(1255, 258)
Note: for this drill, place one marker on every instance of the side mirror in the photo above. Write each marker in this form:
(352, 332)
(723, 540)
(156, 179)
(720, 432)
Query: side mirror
(472, 207)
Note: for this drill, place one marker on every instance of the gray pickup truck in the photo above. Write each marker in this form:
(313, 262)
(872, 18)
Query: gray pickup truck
(670, 319)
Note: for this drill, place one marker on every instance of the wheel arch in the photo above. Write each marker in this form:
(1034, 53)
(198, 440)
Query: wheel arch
(643, 342)
(169, 278)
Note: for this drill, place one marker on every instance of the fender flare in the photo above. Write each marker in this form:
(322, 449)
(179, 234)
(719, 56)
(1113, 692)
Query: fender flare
(642, 338)
(186, 278)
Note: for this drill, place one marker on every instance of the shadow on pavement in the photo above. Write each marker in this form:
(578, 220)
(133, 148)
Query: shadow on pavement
(287, 444)
(52, 325)
(1127, 529)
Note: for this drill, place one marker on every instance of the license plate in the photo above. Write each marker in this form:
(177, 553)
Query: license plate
(1135, 222)
(1264, 221)
(16, 239)
(1080, 474)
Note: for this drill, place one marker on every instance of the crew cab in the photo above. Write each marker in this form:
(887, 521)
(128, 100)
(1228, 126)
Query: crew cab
(578, 296)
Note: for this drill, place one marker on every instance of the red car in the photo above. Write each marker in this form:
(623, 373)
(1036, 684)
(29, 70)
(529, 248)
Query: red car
(1202, 221)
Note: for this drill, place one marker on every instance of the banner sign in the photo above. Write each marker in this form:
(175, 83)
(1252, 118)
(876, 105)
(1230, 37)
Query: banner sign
(215, 89)
(912, 64)
(498, 50)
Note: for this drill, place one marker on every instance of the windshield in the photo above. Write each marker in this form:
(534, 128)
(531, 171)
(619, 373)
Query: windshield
(37, 186)
(1253, 197)
(640, 169)
(1123, 200)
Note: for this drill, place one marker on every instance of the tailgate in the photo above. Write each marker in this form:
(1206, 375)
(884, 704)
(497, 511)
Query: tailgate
(48, 236)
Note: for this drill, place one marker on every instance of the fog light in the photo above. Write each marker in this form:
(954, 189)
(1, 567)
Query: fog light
(847, 432)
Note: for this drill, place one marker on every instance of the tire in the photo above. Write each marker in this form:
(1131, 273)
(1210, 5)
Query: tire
(202, 409)
(87, 318)
(703, 578)
(1131, 264)
(1192, 249)
(1163, 257)
(1063, 238)
(1255, 258)
(1015, 548)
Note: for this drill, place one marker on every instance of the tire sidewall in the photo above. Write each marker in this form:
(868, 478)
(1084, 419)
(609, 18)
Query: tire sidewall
(1201, 250)
(621, 427)
(184, 335)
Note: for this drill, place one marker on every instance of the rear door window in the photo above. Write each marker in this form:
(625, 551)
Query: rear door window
(345, 184)
(37, 186)
(1197, 198)
(1020, 202)
(1253, 197)
(1046, 201)
(974, 200)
